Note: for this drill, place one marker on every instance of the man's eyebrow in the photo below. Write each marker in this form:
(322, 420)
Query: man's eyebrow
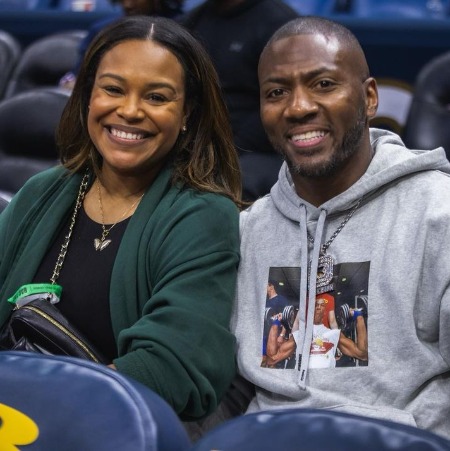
(308, 75)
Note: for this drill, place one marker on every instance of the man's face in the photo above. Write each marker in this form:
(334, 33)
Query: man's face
(319, 311)
(313, 103)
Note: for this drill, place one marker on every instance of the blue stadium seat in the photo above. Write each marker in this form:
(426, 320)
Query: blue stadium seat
(63, 403)
(87, 5)
(315, 7)
(414, 9)
(10, 51)
(428, 121)
(316, 430)
(190, 4)
(3, 202)
(16, 5)
(44, 62)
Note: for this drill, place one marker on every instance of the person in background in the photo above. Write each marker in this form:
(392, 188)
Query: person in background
(165, 8)
(353, 213)
(234, 32)
(145, 208)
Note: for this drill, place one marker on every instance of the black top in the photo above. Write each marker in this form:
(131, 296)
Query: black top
(235, 39)
(85, 277)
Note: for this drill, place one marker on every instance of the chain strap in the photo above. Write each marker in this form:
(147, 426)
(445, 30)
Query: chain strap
(65, 245)
(326, 245)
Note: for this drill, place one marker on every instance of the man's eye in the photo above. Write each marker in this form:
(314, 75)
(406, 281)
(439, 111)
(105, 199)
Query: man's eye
(276, 92)
(325, 84)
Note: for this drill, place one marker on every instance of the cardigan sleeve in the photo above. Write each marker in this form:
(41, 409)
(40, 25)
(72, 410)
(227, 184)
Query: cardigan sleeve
(181, 346)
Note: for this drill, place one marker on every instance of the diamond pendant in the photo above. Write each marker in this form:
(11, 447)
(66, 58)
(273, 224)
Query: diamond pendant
(100, 245)
(324, 281)
(325, 274)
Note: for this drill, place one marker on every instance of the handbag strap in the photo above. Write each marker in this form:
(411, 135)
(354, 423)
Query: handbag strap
(62, 253)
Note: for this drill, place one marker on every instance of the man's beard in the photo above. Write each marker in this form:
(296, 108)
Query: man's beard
(349, 147)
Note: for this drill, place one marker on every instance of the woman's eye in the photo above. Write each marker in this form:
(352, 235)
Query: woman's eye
(112, 89)
(156, 98)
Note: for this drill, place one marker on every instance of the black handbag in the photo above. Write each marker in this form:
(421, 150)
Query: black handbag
(40, 327)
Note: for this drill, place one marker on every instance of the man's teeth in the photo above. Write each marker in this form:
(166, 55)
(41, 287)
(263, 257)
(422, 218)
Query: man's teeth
(308, 135)
(125, 135)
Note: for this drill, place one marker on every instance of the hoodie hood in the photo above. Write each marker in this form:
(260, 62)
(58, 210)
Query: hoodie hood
(385, 167)
(391, 161)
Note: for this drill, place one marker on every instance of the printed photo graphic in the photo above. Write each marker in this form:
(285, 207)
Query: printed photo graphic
(340, 319)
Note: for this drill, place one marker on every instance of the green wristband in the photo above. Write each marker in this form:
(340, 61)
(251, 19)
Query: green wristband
(52, 291)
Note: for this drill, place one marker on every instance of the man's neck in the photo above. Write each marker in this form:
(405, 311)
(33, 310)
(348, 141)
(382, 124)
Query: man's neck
(318, 190)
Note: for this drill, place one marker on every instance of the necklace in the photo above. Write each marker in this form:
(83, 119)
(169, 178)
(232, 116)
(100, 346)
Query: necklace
(325, 267)
(101, 243)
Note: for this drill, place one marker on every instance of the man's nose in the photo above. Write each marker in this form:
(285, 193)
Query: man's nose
(302, 103)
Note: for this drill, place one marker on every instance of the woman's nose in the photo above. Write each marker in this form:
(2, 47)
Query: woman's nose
(130, 108)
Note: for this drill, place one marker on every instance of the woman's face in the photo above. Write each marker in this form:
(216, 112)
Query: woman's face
(136, 109)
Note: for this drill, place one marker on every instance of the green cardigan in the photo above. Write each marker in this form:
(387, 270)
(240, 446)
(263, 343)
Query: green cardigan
(172, 288)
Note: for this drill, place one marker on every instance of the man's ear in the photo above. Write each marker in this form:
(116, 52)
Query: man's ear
(371, 91)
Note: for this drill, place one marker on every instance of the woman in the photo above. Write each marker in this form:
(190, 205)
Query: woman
(147, 197)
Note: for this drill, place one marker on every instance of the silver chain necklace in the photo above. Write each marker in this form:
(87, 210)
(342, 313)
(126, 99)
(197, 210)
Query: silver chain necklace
(325, 267)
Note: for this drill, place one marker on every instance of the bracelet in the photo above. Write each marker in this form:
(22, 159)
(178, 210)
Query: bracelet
(357, 313)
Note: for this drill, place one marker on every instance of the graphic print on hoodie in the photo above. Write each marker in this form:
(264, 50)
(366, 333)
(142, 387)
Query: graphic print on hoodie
(335, 316)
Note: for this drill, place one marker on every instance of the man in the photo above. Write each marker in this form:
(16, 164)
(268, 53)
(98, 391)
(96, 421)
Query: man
(329, 316)
(275, 306)
(234, 32)
(354, 214)
(325, 344)
(276, 302)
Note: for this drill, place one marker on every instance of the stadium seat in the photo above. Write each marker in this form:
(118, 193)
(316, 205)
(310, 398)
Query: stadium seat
(88, 5)
(415, 9)
(45, 61)
(16, 5)
(10, 50)
(318, 7)
(28, 122)
(15, 171)
(64, 403)
(3, 202)
(317, 430)
(428, 121)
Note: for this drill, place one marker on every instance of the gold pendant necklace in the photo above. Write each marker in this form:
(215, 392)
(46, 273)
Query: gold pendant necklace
(101, 243)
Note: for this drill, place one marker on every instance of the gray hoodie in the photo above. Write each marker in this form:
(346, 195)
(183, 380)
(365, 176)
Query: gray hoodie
(390, 267)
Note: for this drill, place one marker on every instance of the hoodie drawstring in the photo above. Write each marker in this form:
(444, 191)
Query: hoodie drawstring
(308, 289)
